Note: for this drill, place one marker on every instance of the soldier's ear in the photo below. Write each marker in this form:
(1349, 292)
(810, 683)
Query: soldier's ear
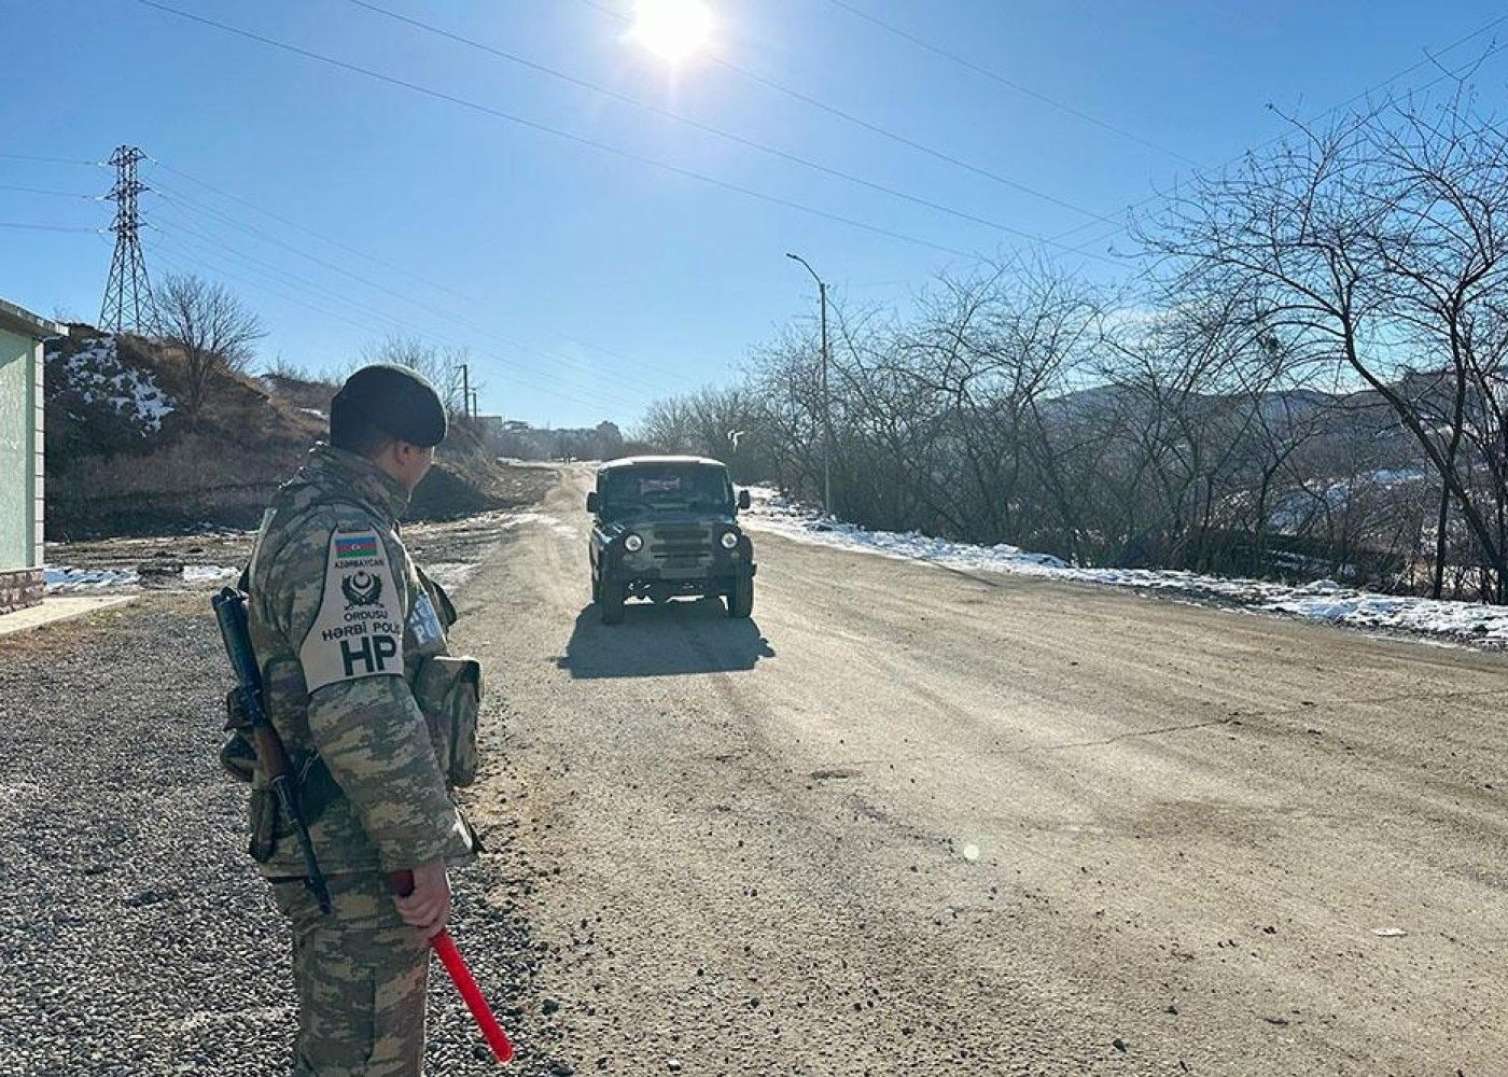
(407, 452)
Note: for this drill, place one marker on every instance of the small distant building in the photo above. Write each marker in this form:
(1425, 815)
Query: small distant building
(489, 426)
(21, 409)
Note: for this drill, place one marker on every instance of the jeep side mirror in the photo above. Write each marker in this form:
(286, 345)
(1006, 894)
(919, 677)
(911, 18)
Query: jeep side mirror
(744, 501)
(592, 502)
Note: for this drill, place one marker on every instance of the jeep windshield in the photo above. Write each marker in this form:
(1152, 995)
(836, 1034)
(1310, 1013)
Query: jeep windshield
(671, 488)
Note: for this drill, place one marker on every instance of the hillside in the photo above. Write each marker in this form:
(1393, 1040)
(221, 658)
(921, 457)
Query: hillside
(124, 456)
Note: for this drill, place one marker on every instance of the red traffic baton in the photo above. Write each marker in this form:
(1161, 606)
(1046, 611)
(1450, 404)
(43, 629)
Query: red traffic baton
(402, 883)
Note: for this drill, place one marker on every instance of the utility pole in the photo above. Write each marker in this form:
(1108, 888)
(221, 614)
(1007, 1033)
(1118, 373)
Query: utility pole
(475, 410)
(827, 401)
(127, 289)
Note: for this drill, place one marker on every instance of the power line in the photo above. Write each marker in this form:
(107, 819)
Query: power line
(1008, 83)
(59, 194)
(399, 325)
(49, 227)
(217, 246)
(52, 160)
(158, 246)
(689, 121)
(401, 270)
(445, 316)
(875, 128)
(311, 232)
(1429, 60)
(604, 147)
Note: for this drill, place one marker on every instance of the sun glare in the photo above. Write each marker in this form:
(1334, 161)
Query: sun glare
(672, 28)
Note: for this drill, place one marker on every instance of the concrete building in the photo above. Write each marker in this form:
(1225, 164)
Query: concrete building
(21, 408)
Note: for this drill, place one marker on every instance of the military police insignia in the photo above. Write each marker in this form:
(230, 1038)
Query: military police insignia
(358, 631)
(424, 622)
(361, 589)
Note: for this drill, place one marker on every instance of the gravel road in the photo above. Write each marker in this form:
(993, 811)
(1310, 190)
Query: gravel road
(136, 937)
(906, 820)
(911, 820)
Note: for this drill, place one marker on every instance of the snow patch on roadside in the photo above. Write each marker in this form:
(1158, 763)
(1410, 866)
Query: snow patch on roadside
(510, 520)
(1324, 600)
(451, 575)
(62, 579)
(507, 521)
(209, 573)
(66, 579)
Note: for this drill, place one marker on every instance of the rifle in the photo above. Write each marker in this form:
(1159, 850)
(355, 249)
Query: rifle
(230, 612)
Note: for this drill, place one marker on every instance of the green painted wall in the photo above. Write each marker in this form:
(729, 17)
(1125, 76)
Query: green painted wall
(18, 448)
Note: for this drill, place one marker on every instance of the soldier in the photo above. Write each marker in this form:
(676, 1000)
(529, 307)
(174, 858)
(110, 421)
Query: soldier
(378, 720)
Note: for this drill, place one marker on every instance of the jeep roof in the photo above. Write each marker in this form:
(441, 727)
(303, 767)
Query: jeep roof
(653, 461)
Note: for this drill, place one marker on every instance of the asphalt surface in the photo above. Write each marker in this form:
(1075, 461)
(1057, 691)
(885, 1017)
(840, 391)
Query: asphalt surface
(904, 821)
(909, 820)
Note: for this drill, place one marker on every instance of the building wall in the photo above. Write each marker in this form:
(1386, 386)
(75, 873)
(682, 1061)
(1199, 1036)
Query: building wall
(19, 534)
(39, 462)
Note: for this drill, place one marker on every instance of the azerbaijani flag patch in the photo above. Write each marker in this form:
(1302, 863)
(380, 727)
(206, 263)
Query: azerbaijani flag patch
(352, 549)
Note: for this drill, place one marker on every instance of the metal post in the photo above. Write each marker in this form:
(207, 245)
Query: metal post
(827, 412)
(827, 401)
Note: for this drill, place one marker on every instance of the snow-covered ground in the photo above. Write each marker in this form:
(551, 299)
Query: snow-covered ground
(130, 567)
(1322, 601)
(64, 579)
(98, 375)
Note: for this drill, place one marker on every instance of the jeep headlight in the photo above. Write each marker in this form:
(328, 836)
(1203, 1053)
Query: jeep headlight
(633, 543)
(730, 540)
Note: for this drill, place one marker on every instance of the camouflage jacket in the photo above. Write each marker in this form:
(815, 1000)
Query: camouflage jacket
(340, 622)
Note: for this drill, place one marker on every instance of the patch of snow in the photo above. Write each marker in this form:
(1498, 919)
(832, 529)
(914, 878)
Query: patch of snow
(65, 579)
(209, 573)
(98, 375)
(314, 412)
(1323, 600)
(451, 575)
(509, 520)
(1395, 476)
(62, 580)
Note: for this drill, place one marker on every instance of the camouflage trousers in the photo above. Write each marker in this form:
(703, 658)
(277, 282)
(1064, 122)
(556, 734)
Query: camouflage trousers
(361, 974)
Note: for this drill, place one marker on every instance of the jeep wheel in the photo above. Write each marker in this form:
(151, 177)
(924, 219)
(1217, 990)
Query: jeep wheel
(611, 597)
(740, 597)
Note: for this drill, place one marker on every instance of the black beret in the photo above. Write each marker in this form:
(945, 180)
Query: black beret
(394, 399)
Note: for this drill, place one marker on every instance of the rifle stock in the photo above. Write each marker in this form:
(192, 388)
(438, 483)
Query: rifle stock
(230, 611)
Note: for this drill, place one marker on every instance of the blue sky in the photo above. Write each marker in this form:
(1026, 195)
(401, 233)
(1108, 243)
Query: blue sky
(587, 284)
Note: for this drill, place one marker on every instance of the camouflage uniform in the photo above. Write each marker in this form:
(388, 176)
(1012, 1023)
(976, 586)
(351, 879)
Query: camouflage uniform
(357, 681)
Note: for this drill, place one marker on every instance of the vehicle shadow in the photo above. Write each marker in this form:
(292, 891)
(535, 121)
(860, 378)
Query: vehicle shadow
(674, 639)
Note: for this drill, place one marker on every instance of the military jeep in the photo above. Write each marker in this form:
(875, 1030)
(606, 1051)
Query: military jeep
(666, 527)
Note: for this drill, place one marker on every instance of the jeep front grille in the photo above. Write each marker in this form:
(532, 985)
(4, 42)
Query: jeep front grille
(681, 543)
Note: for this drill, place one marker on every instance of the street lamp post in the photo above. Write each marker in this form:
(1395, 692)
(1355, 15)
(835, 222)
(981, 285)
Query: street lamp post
(827, 413)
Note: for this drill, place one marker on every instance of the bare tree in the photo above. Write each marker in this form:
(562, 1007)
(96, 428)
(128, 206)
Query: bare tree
(209, 326)
(1377, 247)
(440, 366)
(1312, 381)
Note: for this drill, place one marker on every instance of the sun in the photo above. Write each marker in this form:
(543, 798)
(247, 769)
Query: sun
(675, 29)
